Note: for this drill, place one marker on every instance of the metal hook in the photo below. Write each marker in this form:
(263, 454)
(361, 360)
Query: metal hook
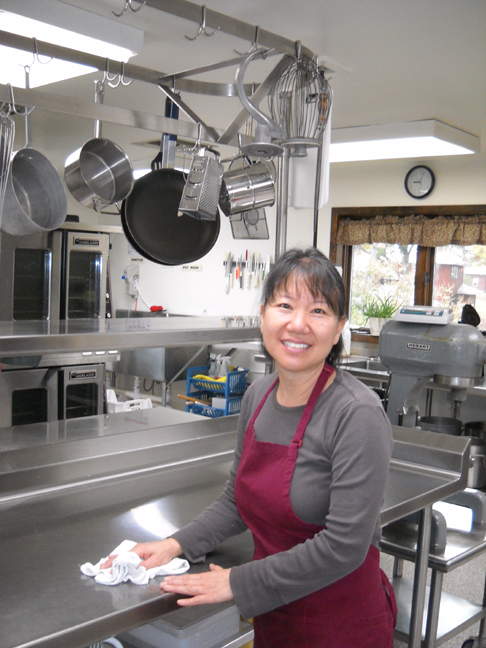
(197, 143)
(106, 73)
(202, 27)
(129, 5)
(37, 55)
(254, 45)
(13, 107)
(121, 78)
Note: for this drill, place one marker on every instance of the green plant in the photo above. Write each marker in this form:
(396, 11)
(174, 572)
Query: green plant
(379, 307)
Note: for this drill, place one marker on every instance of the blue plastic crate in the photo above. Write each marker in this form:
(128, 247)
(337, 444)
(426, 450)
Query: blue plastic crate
(233, 406)
(235, 382)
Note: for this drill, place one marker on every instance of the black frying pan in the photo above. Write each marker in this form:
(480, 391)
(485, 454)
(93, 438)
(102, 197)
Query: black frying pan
(151, 224)
(149, 215)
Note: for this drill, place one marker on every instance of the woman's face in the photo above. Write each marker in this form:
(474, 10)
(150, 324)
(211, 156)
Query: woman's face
(299, 330)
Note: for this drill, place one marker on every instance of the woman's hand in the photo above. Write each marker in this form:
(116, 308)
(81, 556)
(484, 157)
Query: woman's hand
(153, 554)
(209, 587)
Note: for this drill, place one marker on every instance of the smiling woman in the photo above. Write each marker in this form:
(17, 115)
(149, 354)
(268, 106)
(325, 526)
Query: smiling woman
(308, 478)
(302, 317)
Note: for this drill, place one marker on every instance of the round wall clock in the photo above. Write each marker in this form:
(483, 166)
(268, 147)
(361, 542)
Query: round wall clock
(419, 181)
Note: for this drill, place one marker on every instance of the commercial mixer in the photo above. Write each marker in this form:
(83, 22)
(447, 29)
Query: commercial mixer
(421, 345)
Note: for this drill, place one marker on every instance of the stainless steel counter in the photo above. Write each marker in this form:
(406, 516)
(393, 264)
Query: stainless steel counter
(139, 485)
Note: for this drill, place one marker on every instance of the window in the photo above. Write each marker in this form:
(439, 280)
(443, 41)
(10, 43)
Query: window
(436, 257)
(467, 281)
(384, 270)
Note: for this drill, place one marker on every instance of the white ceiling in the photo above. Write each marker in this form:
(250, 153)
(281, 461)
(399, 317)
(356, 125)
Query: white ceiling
(397, 60)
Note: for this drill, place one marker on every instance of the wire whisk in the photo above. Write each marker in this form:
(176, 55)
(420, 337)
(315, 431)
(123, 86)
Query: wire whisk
(300, 102)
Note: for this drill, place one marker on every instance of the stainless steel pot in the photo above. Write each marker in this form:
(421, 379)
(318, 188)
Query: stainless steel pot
(35, 198)
(101, 174)
(442, 424)
(247, 188)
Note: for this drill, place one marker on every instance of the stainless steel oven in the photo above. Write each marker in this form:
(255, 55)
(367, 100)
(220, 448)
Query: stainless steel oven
(62, 274)
(51, 393)
(81, 390)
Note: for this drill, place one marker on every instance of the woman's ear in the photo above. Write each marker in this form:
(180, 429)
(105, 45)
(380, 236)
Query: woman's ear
(340, 326)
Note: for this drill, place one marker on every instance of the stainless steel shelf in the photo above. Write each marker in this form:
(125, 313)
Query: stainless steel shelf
(455, 613)
(90, 336)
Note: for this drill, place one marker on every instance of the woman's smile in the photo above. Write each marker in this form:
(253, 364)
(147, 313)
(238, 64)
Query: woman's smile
(295, 345)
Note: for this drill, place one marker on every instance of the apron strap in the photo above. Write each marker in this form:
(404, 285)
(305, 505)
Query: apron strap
(261, 404)
(324, 376)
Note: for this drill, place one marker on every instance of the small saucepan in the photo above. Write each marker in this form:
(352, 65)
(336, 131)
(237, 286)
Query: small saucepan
(101, 174)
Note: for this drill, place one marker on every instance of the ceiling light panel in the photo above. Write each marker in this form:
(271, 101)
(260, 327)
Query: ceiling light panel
(426, 138)
(56, 22)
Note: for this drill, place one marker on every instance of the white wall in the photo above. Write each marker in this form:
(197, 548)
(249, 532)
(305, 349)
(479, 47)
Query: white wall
(459, 180)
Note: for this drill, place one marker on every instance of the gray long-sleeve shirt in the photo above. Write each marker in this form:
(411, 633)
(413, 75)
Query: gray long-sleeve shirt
(339, 481)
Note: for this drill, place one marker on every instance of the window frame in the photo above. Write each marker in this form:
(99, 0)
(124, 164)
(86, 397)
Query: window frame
(342, 255)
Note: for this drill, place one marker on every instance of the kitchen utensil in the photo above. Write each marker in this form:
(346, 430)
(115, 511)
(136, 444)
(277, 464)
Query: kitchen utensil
(299, 102)
(203, 185)
(228, 270)
(442, 424)
(35, 199)
(7, 135)
(267, 131)
(250, 224)
(101, 174)
(200, 401)
(151, 223)
(249, 187)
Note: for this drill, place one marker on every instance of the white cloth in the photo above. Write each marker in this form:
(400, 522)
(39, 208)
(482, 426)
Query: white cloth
(126, 567)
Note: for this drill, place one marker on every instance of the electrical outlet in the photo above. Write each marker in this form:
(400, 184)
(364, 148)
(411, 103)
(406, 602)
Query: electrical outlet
(131, 275)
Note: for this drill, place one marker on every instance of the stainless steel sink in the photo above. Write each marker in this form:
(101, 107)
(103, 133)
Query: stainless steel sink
(367, 364)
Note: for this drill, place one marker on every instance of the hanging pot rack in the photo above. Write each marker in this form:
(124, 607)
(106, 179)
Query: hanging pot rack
(269, 43)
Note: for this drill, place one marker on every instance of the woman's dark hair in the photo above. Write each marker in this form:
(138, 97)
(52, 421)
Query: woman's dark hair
(321, 278)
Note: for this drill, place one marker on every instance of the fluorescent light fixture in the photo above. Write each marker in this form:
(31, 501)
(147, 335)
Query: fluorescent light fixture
(416, 139)
(67, 26)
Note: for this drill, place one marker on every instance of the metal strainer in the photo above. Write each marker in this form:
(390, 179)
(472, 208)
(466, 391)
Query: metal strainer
(299, 102)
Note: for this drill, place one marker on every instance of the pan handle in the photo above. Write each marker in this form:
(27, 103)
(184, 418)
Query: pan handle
(165, 158)
(99, 98)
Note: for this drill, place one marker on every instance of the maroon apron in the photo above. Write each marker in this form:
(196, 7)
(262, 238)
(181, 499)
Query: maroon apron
(358, 611)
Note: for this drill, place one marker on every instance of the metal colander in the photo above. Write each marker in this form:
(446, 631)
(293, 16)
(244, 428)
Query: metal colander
(300, 102)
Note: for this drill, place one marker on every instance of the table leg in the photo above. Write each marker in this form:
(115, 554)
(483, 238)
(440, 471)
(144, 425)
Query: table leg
(433, 609)
(420, 577)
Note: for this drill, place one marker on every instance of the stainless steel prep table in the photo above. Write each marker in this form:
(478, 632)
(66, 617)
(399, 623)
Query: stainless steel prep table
(160, 482)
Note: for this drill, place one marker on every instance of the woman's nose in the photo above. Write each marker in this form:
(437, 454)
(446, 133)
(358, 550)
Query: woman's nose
(298, 320)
